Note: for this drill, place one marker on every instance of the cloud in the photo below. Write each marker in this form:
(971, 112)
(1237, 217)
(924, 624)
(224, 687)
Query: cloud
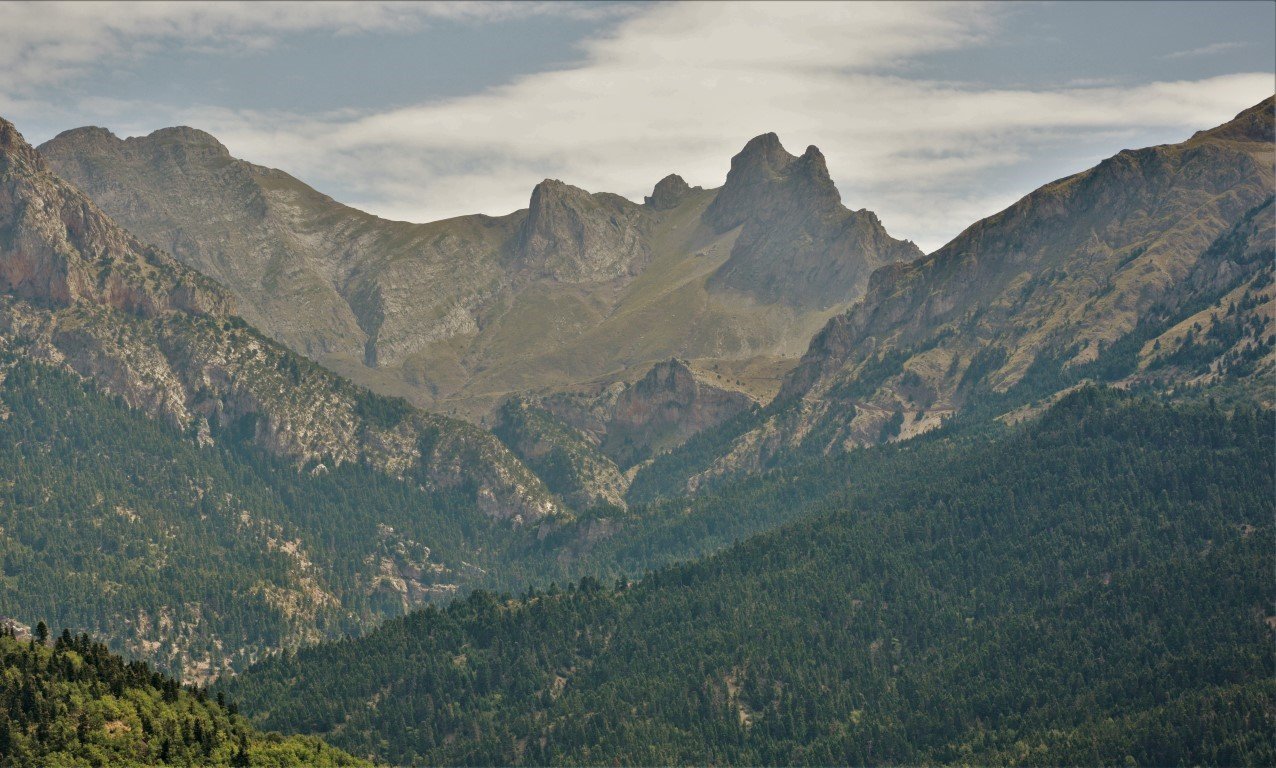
(681, 87)
(1205, 50)
(46, 43)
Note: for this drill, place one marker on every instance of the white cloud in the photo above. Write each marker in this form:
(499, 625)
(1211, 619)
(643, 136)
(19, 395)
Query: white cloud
(680, 88)
(1204, 50)
(43, 43)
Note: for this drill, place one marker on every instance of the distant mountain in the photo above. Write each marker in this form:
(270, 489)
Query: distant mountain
(461, 313)
(82, 293)
(1153, 268)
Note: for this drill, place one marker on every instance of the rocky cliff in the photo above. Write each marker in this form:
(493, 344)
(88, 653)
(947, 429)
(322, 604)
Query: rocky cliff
(82, 293)
(632, 421)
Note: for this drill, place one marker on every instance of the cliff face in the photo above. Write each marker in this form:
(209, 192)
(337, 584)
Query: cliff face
(668, 406)
(83, 294)
(797, 243)
(60, 249)
(448, 313)
(1099, 274)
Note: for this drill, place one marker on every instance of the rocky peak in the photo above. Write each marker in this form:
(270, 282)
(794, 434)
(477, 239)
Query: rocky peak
(15, 152)
(185, 142)
(572, 236)
(57, 247)
(754, 171)
(669, 192)
(798, 244)
(671, 375)
(666, 407)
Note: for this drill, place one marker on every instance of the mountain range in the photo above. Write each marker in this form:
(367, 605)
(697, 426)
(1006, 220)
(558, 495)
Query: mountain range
(457, 314)
(1010, 501)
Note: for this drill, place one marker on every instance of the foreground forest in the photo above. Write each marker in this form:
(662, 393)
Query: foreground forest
(74, 703)
(1088, 588)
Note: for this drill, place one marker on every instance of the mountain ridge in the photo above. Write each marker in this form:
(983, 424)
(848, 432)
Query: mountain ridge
(438, 312)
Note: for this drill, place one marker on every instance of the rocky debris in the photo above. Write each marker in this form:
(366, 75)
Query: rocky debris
(669, 193)
(572, 236)
(798, 244)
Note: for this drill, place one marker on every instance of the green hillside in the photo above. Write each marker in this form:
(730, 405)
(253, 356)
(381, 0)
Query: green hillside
(1091, 587)
(74, 703)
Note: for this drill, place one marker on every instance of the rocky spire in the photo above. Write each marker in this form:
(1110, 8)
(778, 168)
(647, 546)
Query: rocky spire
(798, 244)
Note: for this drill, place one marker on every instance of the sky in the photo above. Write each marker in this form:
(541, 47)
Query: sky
(933, 116)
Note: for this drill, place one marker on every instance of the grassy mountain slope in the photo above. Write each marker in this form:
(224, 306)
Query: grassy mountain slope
(966, 602)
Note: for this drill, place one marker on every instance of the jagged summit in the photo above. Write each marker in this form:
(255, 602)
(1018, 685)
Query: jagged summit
(668, 193)
(443, 310)
(798, 243)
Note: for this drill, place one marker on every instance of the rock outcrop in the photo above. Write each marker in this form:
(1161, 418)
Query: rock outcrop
(668, 193)
(572, 236)
(666, 407)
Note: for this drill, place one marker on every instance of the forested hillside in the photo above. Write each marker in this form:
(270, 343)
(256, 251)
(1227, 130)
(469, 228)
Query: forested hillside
(74, 703)
(1081, 588)
(202, 558)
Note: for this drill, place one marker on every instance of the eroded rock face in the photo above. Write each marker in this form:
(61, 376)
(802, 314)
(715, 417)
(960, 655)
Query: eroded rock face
(572, 236)
(60, 249)
(670, 404)
(82, 293)
(798, 243)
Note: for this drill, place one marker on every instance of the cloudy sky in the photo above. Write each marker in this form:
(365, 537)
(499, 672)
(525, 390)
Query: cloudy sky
(931, 115)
